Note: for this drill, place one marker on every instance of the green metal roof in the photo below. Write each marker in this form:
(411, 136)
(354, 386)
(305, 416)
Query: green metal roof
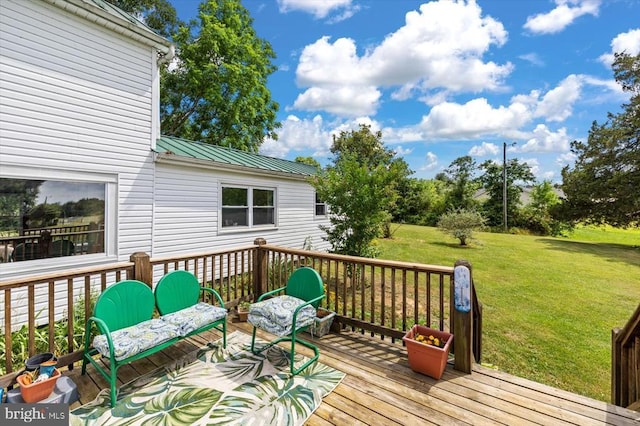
(169, 146)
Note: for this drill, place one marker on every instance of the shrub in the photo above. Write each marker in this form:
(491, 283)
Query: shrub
(461, 223)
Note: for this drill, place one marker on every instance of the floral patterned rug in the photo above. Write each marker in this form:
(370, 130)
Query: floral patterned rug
(217, 386)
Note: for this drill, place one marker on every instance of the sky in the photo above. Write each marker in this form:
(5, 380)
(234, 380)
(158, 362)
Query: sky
(444, 79)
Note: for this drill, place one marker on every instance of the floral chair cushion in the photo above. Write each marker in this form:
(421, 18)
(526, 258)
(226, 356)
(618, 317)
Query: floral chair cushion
(275, 315)
(137, 338)
(194, 317)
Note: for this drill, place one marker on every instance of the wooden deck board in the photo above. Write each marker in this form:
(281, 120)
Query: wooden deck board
(380, 389)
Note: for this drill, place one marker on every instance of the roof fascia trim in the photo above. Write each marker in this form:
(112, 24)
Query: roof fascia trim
(121, 26)
(163, 158)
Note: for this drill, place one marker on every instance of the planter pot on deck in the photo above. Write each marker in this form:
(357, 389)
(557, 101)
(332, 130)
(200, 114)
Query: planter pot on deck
(322, 323)
(243, 313)
(427, 359)
(37, 391)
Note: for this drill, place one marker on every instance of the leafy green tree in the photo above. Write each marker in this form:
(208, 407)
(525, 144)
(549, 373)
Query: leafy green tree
(461, 223)
(309, 161)
(537, 216)
(215, 91)
(159, 15)
(420, 201)
(461, 178)
(602, 186)
(492, 180)
(360, 188)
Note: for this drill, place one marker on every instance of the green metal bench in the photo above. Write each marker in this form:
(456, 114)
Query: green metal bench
(124, 316)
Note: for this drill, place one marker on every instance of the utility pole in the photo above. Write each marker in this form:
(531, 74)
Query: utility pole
(504, 186)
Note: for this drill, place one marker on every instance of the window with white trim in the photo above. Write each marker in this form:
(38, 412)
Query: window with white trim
(248, 206)
(51, 218)
(321, 206)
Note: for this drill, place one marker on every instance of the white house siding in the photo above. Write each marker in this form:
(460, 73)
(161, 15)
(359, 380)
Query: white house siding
(76, 98)
(187, 209)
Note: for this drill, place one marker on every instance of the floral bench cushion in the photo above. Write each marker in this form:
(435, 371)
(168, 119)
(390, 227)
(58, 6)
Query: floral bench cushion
(137, 338)
(275, 315)
(194, 317)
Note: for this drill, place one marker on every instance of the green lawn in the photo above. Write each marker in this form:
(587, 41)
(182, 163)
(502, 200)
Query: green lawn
(549, 303)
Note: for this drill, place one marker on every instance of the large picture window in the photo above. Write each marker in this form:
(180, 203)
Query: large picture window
(248, 206)
(42, 219)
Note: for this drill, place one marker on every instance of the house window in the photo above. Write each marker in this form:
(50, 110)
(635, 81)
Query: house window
(48, 218)
(321, 207)
(247, 206)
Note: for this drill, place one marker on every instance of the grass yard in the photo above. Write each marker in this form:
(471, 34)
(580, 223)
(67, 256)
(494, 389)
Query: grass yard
(549, 303)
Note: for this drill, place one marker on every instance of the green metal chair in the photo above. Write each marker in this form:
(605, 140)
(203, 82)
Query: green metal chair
(177, 295)
(288, 310)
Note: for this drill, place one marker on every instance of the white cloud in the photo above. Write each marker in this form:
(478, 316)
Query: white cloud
(565, 159)
(400, 151)
(473, 119)
(315, 135)
(438, 51)
(431, 162)
(533, 163)
(557, 103)
(544, 140)
(484, 150)
(565, 12)
(532, 58)
(628, 42)
(298, 135)
(318, 8)
(346, 101)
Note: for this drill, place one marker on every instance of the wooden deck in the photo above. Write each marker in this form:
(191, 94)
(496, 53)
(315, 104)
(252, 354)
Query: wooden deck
(380, 389)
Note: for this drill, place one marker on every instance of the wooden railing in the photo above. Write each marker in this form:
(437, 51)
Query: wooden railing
(44, 309)
(379, 297)
(625, 363)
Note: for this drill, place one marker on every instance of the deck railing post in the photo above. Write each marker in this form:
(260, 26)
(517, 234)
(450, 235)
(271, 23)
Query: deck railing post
(616, 368)
(463, 317)
(142, 268)
(260, 268)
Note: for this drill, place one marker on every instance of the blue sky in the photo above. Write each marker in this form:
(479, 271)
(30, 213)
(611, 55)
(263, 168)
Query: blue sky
(446, 78)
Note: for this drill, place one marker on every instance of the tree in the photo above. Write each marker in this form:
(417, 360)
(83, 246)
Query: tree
(216, 89)
(602, 186)
(493, 182)
(420, 201)
(461, 223)
(309, 161)
(360, 188)
(461, 177)
(158, 15)
(537, 216)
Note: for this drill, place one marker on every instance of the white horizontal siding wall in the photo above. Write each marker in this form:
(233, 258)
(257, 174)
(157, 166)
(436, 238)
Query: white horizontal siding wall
(77, 98)
(187, 208)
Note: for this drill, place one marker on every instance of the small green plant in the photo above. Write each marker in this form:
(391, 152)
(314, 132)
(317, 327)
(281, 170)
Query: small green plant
(244, 305)
(20, 338)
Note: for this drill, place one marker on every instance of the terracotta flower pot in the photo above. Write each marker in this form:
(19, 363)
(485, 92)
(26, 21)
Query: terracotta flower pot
(37, 391)
(427, 359)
